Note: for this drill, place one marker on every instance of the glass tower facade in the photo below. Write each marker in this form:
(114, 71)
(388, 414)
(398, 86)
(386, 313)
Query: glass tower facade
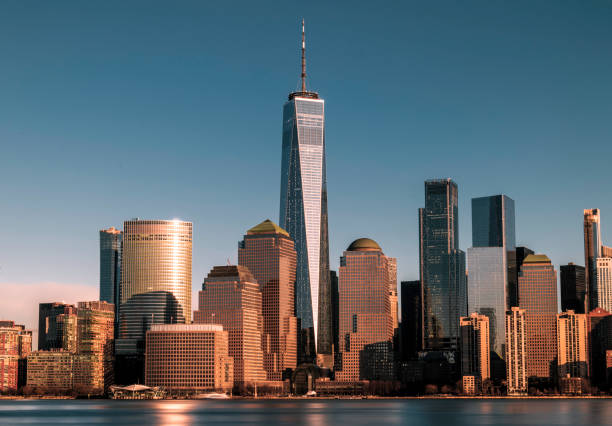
(442, 266)
(492, 271)
(592, 251)
(110, 268)
(303, 213)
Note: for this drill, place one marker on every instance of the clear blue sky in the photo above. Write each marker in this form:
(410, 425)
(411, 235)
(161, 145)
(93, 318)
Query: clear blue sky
(112, 110)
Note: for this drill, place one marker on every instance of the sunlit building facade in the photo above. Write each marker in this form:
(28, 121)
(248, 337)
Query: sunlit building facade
(157, 257)
(188, 357)
(51, 371)
(15, 346)
(393, 301)
(303, 214)
(96, 324)
(572, 352)
(269, 254)
(231, 297)
(601, 296)
(516, 351)
(364, 312)
(538, 297)
(475, 349)
(442, 266)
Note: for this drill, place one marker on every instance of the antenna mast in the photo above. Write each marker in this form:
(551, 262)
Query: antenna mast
(303, 59)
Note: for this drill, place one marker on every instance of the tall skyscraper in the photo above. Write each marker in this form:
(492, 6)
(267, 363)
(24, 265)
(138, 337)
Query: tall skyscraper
(110, 265)
(572, 360)
(442, 266)
(303, 213)
(411, 336)
(475, 347)
(155, 287)
(516, 351)
(592, 250)
(268, 252)
(48, 336)
(231, 297)
(335, 310)
(365, 311)
(157, 257)
(573, 288)
(601, 292)
(538, 297)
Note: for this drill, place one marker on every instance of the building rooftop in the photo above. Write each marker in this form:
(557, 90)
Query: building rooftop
(536, 258)
(267, 227)
(230, 273)
(186, 327)
(364, 244)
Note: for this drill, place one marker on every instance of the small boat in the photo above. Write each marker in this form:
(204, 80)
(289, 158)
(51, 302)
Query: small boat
(212, 395)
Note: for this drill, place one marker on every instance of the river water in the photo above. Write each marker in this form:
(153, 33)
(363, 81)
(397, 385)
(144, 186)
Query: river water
(309, 412)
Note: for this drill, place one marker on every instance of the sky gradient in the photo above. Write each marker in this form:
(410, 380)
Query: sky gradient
(161, 110)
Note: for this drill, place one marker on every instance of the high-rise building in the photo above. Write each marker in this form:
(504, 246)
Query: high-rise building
(393, 302)
(487, 295)
(592, 250)
(155, 287)
(521, 254)
(365, 311)
(67, 332)
(516, 351)
(268, 253)
(48, 336)
(573, 288)
(493, 225)
(442, 266)
(110, 265)
(335, 309)
(601, 292)
(572, 349)
(96, 322)
(157, 257)
(599, 327)
(538, 297)
(231, 297)
(188, 357)
(411, 337)
(303, 213)
(606, 251)
(15, 346)
(492, 273)
(475, 347)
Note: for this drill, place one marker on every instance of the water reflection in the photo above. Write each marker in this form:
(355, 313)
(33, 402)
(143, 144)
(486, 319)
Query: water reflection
(309, 412)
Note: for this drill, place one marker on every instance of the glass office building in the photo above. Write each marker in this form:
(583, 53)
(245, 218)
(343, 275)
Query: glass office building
(303, 213)
(492, 271)
(110, 268)
(442, 266)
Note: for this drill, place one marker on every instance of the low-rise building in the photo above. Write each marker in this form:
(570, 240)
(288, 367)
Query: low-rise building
(188, 357)
(50, 371)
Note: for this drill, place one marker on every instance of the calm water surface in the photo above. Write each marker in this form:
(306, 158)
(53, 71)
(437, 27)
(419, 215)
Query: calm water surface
(308, 412)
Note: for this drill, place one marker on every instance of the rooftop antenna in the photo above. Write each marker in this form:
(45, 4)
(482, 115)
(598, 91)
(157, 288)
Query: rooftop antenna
(303, 59)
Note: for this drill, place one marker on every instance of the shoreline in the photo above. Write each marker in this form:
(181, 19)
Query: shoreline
(322, 398)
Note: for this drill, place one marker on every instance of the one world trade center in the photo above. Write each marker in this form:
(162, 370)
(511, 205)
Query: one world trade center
(303, 213)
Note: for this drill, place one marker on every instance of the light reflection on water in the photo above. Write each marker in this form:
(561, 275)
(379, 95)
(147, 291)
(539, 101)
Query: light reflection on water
(308, 412)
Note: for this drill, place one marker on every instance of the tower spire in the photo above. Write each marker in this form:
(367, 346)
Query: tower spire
(303, 59)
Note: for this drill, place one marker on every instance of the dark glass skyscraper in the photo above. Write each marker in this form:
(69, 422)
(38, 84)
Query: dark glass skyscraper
(411, 338)
(110, 269)
(573, 288)
(303, 213)
(442, 266)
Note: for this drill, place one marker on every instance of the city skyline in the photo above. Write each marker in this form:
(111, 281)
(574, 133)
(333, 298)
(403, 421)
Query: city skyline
(397, 234)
